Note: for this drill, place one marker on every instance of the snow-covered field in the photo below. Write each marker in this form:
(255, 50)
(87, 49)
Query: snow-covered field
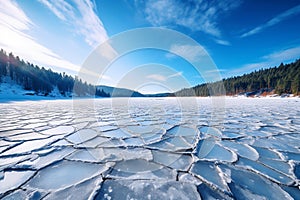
(150, 148)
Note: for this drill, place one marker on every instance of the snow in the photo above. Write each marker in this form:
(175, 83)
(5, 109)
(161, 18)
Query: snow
(116, 149)
(10, 91)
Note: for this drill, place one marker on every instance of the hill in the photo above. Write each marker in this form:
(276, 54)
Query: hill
(40, 81)
(282, 79)
(119, 92)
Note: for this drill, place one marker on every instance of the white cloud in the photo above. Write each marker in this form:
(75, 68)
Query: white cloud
(13, 17)
(14, 25)
(194, 15)
(175, 75)
(271, 60)
(157, 77)
(81, 16)
(222, 42)
(214, 71)
(63, 5)
(161, 78)
(189, 52)
(293, 11)
(284, 55)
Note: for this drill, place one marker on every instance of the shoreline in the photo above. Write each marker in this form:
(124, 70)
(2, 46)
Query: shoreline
(23, 98)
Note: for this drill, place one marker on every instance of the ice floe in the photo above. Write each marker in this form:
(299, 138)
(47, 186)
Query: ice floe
(64, 174)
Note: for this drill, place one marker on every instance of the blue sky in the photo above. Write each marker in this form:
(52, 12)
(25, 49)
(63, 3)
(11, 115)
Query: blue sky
(239, 36)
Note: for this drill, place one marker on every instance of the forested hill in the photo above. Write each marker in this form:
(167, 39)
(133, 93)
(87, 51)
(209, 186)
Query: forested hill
(282, 79)
(42, 81)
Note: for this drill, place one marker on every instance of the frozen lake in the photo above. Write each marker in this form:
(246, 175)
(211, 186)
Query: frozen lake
(147, 148)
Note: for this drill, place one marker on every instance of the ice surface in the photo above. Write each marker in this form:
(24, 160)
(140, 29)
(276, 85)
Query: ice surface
(118, 133)
(25, 194)
(27, 136)
(188, 178)
(177, 161)
(265, 171)
(182, 131)
(28, 146)
(14, 132)
(58, 130)
(244, 182)
(217, 153)
(85, 155)
(267, 153)
(134, 142)
(34, 125)
(150, 190)
(64, 174)
(297, 170)
(6, 162)
(93, 143)
(45, 159)
(150, 148)
(13, 179)
(141, 169)
(83, 190)
(82, 136)
(4, 143)
(209, 173)
(104, 128)
(209, 137)
(278, 165)
(294, 192)
(243, 150)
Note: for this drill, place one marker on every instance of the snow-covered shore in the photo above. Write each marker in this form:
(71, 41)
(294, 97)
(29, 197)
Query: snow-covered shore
(10, 92)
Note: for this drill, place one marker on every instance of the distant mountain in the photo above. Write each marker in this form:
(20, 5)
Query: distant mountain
(160, 95)
(119, 92)
(279, 80)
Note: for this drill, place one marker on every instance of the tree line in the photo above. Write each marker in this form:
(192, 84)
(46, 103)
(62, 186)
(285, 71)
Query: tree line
(282, 79)
(42, 81)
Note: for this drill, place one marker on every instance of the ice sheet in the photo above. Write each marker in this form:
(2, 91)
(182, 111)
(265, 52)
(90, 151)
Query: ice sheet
(148, 148)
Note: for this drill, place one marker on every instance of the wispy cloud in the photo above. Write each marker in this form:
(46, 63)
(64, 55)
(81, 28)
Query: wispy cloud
(81, 16)
(271, 60)
(284, 55)
(189, 52)
(222, 42)
(14, 37)
(161, 78)
(214, 71)
(157, 77)
(13, 17)
(195, 15)
(175, 75)
(293, 11)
